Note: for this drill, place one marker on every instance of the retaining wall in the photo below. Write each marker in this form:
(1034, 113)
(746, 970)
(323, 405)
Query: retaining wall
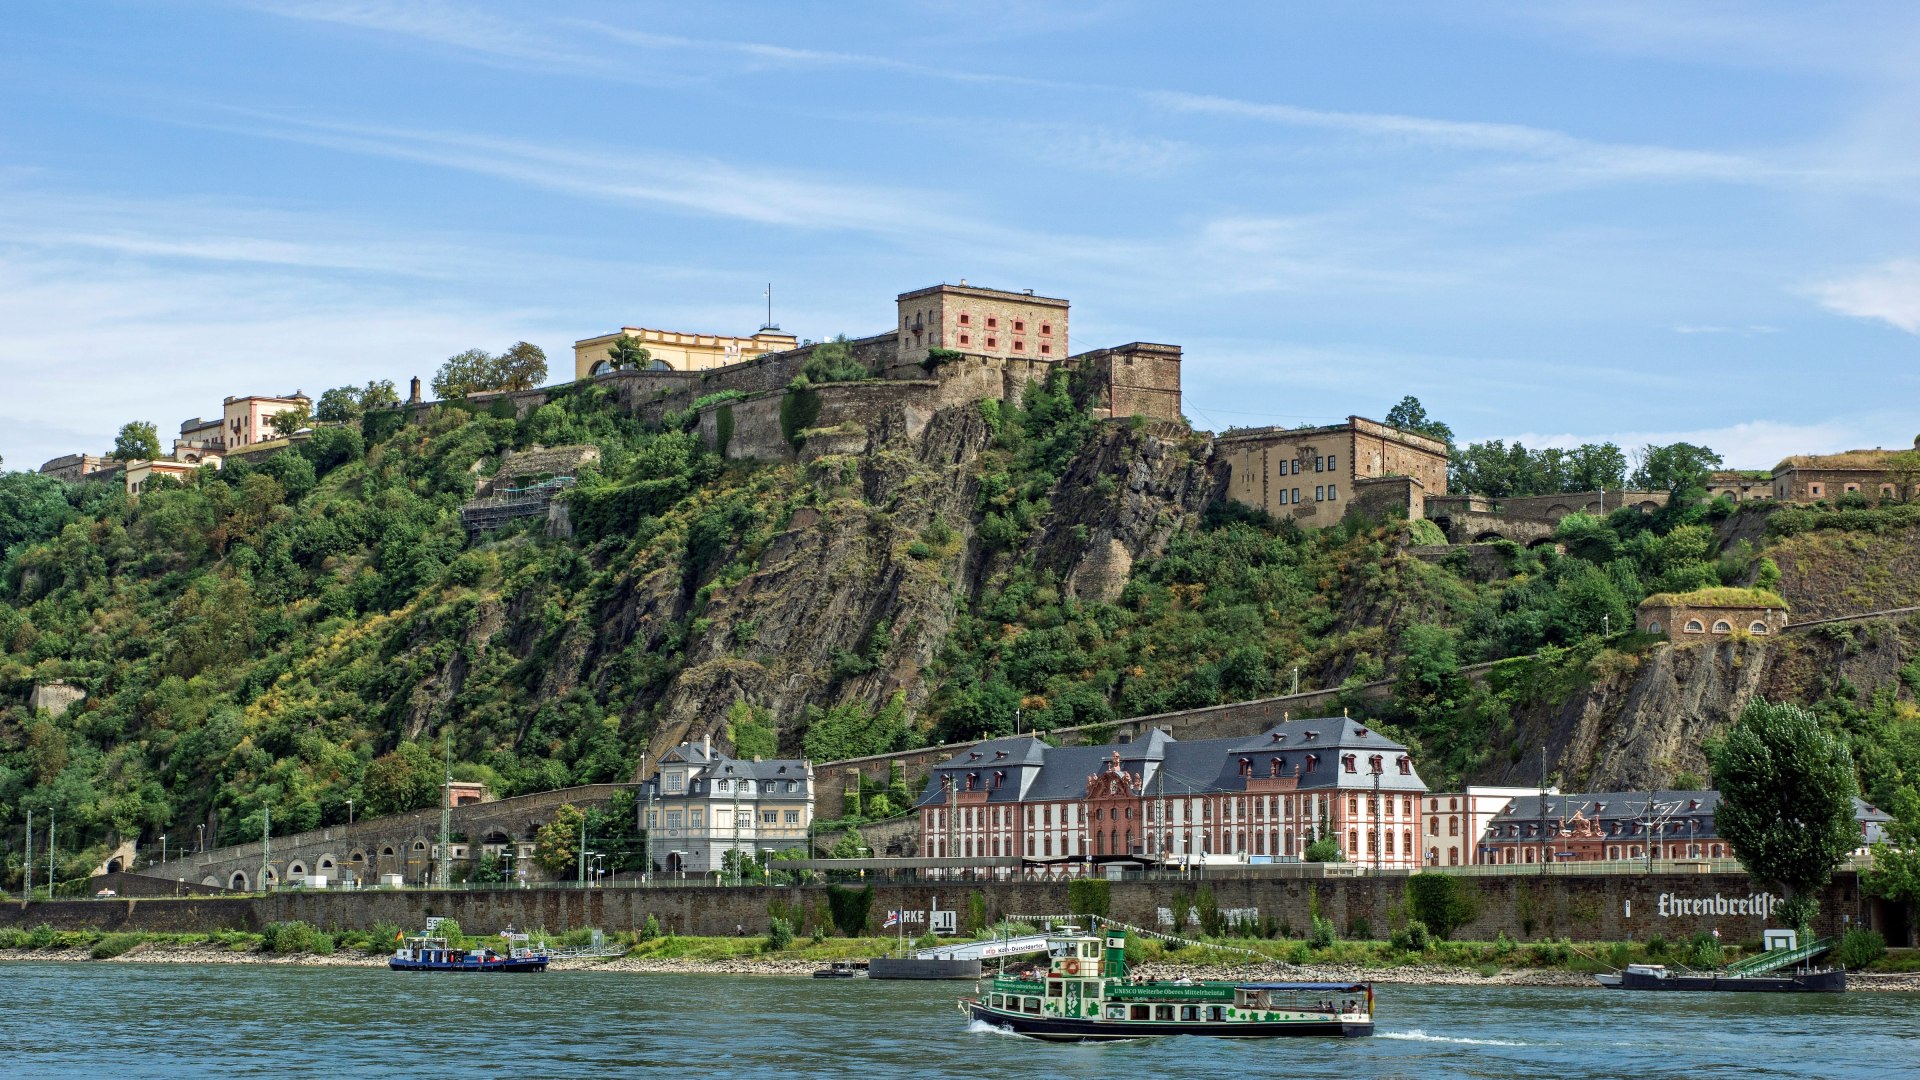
(1597, 907)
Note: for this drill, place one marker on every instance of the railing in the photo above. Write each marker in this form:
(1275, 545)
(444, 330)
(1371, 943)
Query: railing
(1775, 959)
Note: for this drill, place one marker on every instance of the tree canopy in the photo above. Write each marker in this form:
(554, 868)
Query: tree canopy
(1786, 788)
(345, 404)
(627, 354)
(522, 367)
(137, 441)
(1676, 467)
(1412, 416)
(1510, 471)
(287, 421)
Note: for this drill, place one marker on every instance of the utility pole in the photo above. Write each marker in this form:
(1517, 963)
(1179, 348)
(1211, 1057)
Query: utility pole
(737, 868)
(266, 844)
(646, 833)
(1296, 681)
(29, 888)
(53, 875)
(443, 873)
(583, 850)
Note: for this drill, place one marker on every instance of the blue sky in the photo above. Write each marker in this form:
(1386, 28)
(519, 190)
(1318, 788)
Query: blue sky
(1558, 222)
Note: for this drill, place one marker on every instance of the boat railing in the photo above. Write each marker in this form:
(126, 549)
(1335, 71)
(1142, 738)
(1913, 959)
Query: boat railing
(1775, 959)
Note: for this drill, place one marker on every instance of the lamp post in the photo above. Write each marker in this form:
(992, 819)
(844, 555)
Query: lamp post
(349, 813)
(200, 844)
(29, 887)
(53, 876)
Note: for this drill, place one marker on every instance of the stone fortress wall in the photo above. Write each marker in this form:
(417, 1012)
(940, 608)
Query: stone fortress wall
(366, 850)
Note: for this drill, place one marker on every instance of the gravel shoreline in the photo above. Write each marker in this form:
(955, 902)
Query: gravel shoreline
(162, 953)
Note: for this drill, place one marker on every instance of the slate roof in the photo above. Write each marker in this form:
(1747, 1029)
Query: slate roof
(1627, 807)
(1036, 772)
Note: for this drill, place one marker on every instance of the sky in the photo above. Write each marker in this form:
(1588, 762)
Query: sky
(1566, 222)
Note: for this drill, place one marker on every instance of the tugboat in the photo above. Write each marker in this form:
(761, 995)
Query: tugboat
(839, 969)
(1085, 995)
(425, 952)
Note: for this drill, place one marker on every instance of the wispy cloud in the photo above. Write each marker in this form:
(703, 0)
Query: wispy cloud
(462, 27)
(1742, 331)
(1889, 292)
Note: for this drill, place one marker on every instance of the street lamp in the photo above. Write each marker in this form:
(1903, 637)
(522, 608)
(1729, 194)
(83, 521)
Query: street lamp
(349, 813)
(200, 845)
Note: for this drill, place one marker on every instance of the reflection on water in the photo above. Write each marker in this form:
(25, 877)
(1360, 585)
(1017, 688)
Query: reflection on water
(154, 1020)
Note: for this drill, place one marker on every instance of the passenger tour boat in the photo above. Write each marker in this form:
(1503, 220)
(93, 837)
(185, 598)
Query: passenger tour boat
(1086, 995)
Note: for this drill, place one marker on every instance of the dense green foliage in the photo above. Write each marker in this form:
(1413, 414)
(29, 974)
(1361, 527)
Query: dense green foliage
(850, 908)
(1786, 786)
(1443, 902)
(521, 367)
(136, 441)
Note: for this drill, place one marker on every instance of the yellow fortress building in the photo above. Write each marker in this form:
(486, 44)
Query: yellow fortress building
(675, 350)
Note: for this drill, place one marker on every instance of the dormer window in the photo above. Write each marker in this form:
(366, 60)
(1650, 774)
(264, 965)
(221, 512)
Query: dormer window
(998, 754)
(1693, 804)
(1313, 760)
(1277, 764)
(1246, 766)
(1279, 736)
(975, 756)
(973, 779)
(1310, 735)
(1360, 732)
(1406, 766)
(1349, 760)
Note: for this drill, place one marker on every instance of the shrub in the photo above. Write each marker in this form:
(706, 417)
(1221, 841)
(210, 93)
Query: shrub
(1323, 935)
(1360, 928)
(1442, 901)
(1859, 948)
(850, 909)
(1657, 945)
(651, 928)
(113, 945)
(287, 938)
(1412, 937)
(779, 935)
(1703, 951)
(1089, 896)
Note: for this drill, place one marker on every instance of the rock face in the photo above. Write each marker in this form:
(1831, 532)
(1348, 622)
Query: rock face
(55, 697)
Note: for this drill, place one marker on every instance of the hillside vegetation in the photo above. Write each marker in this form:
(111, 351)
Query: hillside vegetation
(317, 628)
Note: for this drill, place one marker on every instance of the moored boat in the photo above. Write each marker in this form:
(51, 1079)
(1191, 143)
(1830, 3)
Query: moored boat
(1086, 995)
(839, 969)
(424, 952)
(1659, 977)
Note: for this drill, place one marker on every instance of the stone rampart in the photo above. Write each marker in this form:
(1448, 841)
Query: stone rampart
(1527, 519)
(368, 849)
(1604, 907)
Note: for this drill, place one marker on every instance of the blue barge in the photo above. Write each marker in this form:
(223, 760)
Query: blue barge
(425, 953)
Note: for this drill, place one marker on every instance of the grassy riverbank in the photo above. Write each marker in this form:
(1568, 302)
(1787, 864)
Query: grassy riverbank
(1461, 962)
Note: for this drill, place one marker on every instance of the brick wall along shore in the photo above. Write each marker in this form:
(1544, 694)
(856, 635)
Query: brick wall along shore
(1586, 907)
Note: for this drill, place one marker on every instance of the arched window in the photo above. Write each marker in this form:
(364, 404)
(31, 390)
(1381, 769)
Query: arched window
(1653, 627)
(1453, 826)
(1758, 626)
(1694, 626)
(600, 367)
(1433, 826)
(1722, 626)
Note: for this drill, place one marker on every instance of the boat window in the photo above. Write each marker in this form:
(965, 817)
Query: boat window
(1140, 1012)
(1116, 1012)
(1189, 1012)
(1163, 1012)
(1216, 1012)
(1031, 1005)
(995, 1001)
(1056, 989)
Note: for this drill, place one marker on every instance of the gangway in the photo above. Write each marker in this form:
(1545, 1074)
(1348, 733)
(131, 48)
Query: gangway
(986, 950)
(1775, 959)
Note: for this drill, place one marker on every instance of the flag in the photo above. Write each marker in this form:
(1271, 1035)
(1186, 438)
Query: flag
(893, 920)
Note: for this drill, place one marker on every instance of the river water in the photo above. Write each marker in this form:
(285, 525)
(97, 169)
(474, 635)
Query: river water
(167, 1020)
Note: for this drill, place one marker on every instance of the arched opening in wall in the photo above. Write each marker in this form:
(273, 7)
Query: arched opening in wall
(387, 851)
(210, 881)
(1758, 626)
(1653, 627)
(1445, 523)
(238, 882)
(1558, 511)
(326, 863)
(659, 365)
(1722, 626)
(1694, 626)
(296, 870)
(113, 865)
(496, 836)
(1646, 507)
(268, 879)
(419, 845)
(600, 367)
(1544, 541)
(1487, 536)
(1591, 508)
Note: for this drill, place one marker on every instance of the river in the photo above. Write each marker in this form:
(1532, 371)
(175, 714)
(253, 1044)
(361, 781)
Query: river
(171, 1020)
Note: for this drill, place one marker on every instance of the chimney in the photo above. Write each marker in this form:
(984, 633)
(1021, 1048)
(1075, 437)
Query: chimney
(706, 746)
(413, 395)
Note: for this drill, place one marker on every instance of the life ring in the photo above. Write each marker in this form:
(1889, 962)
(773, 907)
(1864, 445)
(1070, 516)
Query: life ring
(1071, 967)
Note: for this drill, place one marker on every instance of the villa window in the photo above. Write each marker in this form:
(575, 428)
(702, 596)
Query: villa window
(992, 343)
(1019, 346)
(1333, 492)
(1045, 349)
(1722, 626)
(1320, 493)
(992, 322)
(1330, 460)
(1758, 627)
(1046, 328)
(1019, 326)
(965, 339)
(1695, 626)
(966, 319)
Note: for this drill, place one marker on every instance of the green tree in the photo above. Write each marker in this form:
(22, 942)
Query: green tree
(627, 354)
(556, 845)
(464, 373)
(1412, 416)
(403, 780)
(1677, 467)
(1325, 849)
(345, 404)
(1786, 788)
(750, 729)
(1895, 874)
(522, 367)
(849, 731)
(850, 908)
(32, 508)
(1444, 902)
(287, 421)
(137, 441)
